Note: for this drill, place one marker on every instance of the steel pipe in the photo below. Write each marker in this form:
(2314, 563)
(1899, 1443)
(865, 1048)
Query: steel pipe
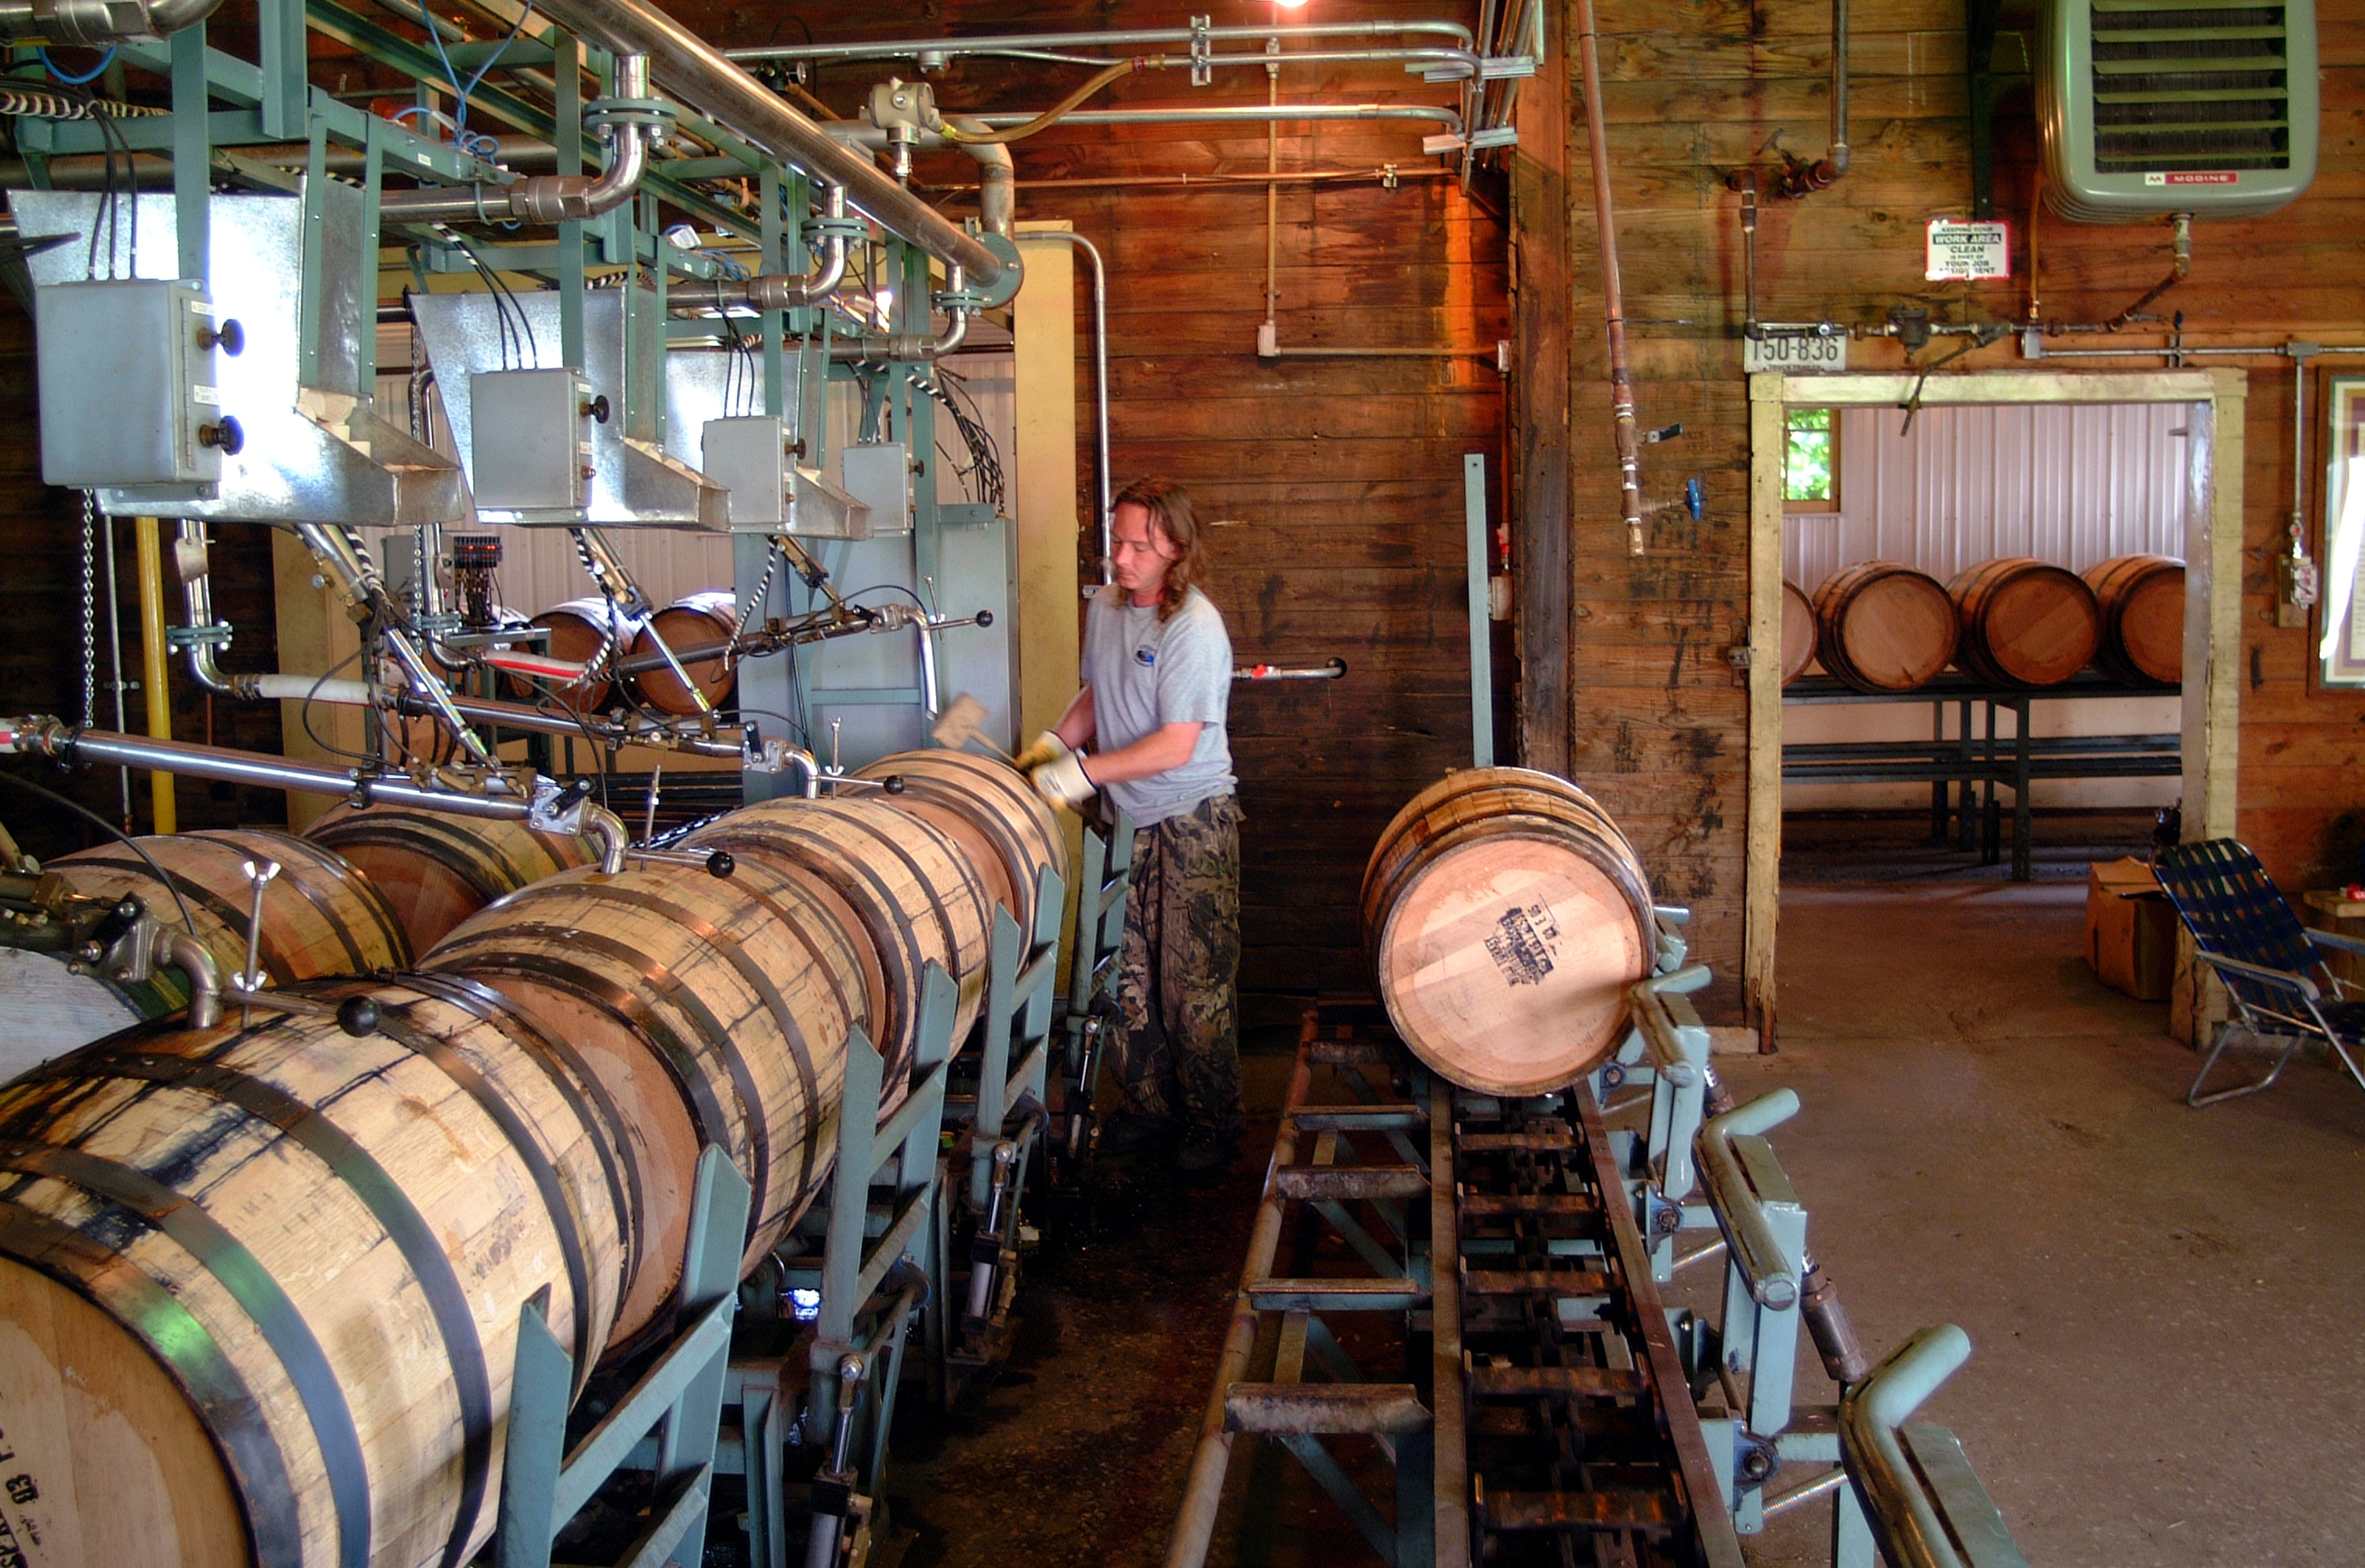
(1911, 1532)
(1099, 386)
(772, 291)
(1627, 437)
(1773, 1279)
(908, 48)
(542, 198)
(694, 72)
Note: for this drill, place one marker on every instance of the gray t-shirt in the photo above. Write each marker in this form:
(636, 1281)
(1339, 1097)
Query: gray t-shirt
(1145, 674)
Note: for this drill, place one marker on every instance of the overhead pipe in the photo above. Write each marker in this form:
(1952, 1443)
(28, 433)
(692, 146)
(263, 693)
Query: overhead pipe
(542, 198)
(1622, 386)
(772, 291)
(928, 51)
(693, 73)
(1100, 388)
(99, 22)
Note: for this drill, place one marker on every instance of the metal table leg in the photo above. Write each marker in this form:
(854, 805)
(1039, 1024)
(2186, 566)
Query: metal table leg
(2020, 828)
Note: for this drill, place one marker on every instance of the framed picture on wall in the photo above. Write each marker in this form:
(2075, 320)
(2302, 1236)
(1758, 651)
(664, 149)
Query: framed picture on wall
(2344, 531)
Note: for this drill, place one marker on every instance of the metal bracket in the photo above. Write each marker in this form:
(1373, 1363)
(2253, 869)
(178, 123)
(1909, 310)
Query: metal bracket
(1201, 73)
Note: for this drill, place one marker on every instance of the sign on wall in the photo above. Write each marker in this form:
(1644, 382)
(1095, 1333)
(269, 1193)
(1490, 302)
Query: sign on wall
(1958, 250)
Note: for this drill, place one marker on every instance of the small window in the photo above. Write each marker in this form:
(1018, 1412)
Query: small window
(1810, 461)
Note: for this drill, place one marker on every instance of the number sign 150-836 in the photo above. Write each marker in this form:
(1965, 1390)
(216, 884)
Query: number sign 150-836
(1793, 354)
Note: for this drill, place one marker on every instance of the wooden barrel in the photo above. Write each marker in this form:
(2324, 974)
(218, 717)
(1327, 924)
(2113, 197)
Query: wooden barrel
(714, 1010)
(437, 870)
(1880, 626)
(578, 632)
(695, 621)
(1797, 631)
(259, 1287)
(2025, 621)
(321, 915)
(1007, 830)
(1505, 916)
(911, 891)
(2141, 600)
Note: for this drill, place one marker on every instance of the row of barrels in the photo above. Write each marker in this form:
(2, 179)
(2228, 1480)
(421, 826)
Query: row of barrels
(2015, 621)
(590, 631)
(260, 1283)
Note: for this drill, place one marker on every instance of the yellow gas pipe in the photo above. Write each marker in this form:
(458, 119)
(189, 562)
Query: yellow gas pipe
(153, 652)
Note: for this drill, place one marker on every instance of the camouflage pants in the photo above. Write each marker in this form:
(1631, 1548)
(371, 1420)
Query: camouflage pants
(1177, 1054)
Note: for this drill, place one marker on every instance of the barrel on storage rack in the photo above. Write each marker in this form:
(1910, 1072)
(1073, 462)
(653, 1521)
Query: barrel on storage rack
(321, 915)
(2141, 598)
(437, 870)
(2025, 621)
(1797, 631)
(1505, 915)
(1006, 829)
(713, 1010)
(904, 882)
(259, 1287)
(1881, 626)
(580, 629)
(699, 621)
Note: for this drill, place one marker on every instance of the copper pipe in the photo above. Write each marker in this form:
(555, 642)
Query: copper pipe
(1613, 303)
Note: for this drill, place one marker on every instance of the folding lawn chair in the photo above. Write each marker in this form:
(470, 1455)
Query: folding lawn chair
(2244, 928)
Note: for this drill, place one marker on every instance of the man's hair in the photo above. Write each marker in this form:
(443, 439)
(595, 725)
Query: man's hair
(1169, 505)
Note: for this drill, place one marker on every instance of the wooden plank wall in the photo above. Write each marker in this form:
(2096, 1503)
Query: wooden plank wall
(1337, 482)
(41, 656)
(1658, 723)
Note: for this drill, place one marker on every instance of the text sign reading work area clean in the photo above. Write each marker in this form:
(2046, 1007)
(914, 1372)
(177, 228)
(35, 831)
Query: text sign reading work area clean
(1958, 250)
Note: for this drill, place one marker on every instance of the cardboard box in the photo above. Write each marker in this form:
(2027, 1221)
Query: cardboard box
(2129, 929)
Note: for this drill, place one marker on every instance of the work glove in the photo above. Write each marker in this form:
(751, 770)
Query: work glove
(1063, 781)
(1045, 747)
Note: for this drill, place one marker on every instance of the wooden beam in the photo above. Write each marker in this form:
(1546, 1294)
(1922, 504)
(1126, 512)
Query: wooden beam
(1539, 390)
(1761, 874)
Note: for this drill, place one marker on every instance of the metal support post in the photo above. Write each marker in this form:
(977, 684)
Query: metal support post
(1481, 659)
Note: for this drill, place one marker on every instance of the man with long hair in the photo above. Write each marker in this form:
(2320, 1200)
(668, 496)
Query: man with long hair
(1158, 683)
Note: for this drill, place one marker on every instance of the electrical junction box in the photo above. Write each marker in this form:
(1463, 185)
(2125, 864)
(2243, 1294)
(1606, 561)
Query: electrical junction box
(2148, 110)
(754, 459)
(127, 385)
(879, 474)
(530, 444)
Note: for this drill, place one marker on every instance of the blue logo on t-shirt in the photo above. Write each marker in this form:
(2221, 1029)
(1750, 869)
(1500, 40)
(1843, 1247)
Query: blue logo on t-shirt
(1145, 656)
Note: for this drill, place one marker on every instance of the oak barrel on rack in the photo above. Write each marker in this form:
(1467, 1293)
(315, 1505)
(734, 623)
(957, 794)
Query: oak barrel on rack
(259, 1287)
(437, 870)
(580, 630)
(1882, 626)
(321, 915)
(1797, 631)
(696, 621)
(907, 885)
(2141, 600)
(1505, 916)
(2025, 621)
(714, 1010)
(988, 808)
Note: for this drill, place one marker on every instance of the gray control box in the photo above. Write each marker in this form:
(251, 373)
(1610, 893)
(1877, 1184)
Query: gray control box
(530, 444)
(127, 385)
(751, 458)
(879, 474)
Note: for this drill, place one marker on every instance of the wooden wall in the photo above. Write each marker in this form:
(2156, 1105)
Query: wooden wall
(1657, 724)
(1336, 482)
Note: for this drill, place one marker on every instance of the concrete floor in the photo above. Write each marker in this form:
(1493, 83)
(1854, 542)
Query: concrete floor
(2163, 1303)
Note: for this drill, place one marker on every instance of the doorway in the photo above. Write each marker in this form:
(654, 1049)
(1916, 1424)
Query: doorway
(2213, 553)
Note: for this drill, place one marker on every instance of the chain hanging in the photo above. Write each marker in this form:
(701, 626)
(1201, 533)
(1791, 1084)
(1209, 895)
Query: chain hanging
(89, 611)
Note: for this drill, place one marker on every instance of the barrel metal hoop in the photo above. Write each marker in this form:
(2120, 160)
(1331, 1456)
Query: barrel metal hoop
(394, 1024)
(864, 889)
(478, 871)
(587, 985)
(351, 876)
(368, 1180)
(760, 1134)
(996, 827)
(585, 1095)
(260, 1296)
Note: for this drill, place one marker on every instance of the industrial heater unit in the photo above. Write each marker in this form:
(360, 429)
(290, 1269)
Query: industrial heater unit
(2156, 106)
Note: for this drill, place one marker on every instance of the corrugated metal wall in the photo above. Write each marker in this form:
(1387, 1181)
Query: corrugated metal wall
(2070, 485)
